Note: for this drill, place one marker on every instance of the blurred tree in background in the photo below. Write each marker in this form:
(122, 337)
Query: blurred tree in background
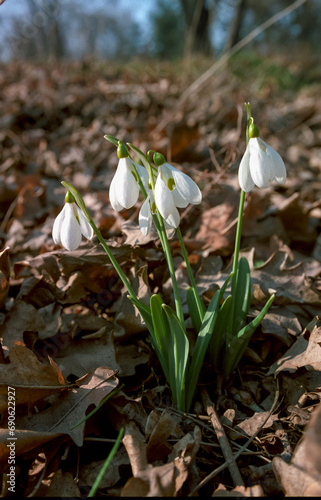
(57, 29)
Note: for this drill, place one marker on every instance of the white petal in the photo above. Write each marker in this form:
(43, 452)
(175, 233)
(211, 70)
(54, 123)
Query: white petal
(143, 174)
(278, 163)
(123, 190)
(56, 230)
(85, 227)
(70, 235)
(145, 217)
(165, 203)
(113, 195)
(261, 164)
(245, 179)
(186, 187)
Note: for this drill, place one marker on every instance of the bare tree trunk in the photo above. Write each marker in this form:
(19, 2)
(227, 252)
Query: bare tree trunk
(234, 33)
(197, 20)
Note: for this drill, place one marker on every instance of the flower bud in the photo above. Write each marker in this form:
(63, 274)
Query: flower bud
(69, 198)
(122, 151)
(159, 159)
(253, 130)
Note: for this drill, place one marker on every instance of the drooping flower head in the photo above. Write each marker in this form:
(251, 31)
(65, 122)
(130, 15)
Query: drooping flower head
(124, 187)
(70, 225)
(261, 164)
(173, 189)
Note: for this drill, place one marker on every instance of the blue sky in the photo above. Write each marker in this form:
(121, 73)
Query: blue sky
(140, 11)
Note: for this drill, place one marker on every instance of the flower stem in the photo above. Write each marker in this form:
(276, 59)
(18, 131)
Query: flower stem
(168, 255)
(103, 243)
(238, 237)
(241, 206)
(190, 273)
(113, 260)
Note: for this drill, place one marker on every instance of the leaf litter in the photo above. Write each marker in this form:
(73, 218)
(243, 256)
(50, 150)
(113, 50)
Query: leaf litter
(69, 334)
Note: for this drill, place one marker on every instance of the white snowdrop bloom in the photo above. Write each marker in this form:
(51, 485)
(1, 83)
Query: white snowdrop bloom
(145, 217)
(70, 225)
(174, 189)
(124, 187)
(260, 166)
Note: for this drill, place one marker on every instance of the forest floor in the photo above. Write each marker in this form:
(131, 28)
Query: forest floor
(69, 334)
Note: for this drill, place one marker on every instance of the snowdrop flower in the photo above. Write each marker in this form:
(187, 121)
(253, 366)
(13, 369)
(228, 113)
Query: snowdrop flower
(124, 187)
(260, 164)
(70, 225)
(173, 189)
(146, 212)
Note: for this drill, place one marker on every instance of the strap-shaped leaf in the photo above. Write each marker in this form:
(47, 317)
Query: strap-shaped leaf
(112, 139)
(161, 335)
(177, 357)
(202, 342)
(193, 309)
(235, 349)
(220, 333)
(241, 295)
(140, 155)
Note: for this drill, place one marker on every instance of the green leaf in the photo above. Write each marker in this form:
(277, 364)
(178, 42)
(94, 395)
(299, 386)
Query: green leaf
(112, 139)
(219, 334)
(236, 347)
(193, 309)
(144, 311)
(177, 358)
(241, 295)
(202, 342)
(140, 155)
(161, 337)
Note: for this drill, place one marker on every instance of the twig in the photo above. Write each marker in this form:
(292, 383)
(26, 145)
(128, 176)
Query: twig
(222, 439)
(235, 457)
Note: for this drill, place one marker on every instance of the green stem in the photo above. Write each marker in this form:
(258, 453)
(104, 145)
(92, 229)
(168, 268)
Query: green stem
(113, 260)
(106, 464)
(238, 237)
(168, 255)
(241, 207)
(190, 273)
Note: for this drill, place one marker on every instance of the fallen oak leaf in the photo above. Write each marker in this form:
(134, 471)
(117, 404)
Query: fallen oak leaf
(25, 441)
(4, 275)
(69, 409)
(39, 380)
(303, 353)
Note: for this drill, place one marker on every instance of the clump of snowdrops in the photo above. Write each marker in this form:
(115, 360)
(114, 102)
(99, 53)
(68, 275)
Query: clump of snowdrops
(221, 328)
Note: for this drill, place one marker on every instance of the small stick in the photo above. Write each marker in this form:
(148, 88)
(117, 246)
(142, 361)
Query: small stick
(222, 439)
(227, 463)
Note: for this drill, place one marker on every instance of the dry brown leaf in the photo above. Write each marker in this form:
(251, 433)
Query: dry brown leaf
(252, 424)
(88, 472)
(301, 478)
(84, 355)
(239, 491)
(62, 486)
(4, 275)
(303, 353)
(22, 317)
(31, 379)
(70, 409)
(25, 442)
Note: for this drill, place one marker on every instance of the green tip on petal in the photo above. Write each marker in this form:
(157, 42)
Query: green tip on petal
(253, 130)
(122, 151)
(69, 198)
(159, 159)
